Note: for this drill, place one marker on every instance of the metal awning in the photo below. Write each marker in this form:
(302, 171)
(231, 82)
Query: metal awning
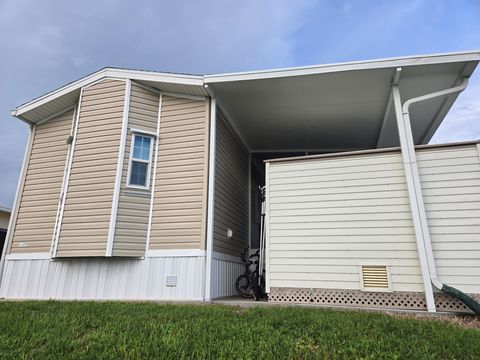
(338, 107)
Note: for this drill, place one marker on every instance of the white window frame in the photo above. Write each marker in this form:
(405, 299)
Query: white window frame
(133, 135)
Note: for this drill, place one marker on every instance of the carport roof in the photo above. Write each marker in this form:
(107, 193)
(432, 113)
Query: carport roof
(331, 107)
(338, 107)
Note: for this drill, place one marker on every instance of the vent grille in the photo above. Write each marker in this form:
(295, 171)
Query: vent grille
(375, 277)
(170, 281)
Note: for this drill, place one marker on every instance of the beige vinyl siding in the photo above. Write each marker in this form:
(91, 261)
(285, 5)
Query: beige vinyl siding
(179, 211)
(451, 189)
(134, 204)
(4, 219)
(40, 195)
(231, 191)
(84, 230)
(327, 217)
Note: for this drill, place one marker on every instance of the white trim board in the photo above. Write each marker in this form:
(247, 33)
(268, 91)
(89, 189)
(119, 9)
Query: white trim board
(143, 131)
(154, 175)
(346, 66)
(193, 80)
(210, 197)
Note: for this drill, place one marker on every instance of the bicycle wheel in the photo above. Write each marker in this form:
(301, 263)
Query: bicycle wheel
(244, 286)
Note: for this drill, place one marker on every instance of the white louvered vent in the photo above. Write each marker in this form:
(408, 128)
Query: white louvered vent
(375, 277)
(171, 280)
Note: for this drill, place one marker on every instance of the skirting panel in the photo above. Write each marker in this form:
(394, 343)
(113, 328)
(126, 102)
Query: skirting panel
(356, 298)
(105, 279)
(224, 275)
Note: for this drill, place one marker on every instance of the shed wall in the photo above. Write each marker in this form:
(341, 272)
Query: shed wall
(84, 229)
(328, 216)
(450, 179)
(179, 211)
(231, 191)
(39, 197)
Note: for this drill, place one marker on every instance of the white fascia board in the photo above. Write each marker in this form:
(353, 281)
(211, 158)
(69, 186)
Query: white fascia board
(192, 80)
(346, 66)
(76, 85)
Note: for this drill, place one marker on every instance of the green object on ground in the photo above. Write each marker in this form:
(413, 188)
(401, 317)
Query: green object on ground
(466, 299)
(114, 330)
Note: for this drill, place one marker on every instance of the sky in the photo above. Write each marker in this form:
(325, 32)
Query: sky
(45, 44)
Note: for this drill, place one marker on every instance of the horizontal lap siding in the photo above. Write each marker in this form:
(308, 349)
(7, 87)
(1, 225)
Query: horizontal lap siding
(231, 191)
(451, 188)
(43, 182)
(88, 206)
(134, 204)
(4, 219)
(179, 211)
(329, 216)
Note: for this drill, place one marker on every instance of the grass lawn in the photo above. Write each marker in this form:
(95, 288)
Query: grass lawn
(72, 330)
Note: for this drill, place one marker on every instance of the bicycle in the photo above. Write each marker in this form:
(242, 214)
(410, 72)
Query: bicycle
(250, 284)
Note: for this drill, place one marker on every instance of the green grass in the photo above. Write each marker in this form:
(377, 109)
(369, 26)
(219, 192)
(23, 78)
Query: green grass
(72, 330)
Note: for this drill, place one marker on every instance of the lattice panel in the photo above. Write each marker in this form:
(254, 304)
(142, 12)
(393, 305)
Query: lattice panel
(356, 298)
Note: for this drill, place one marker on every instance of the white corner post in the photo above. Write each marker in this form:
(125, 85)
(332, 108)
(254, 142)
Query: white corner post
(118, 176)
(417, 205)
(211, 198)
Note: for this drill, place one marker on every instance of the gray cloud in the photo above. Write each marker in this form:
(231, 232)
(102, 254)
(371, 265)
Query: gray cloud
(46, 43)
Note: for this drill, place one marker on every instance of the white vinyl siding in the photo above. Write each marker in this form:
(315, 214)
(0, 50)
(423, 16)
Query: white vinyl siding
(451, 189)
(330, 215)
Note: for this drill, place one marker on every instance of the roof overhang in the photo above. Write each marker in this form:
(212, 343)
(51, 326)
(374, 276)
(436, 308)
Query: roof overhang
(325, 108)
(338, 107)
(65, 97)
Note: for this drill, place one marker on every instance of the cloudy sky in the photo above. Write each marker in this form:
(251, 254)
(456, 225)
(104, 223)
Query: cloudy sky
(46, 43)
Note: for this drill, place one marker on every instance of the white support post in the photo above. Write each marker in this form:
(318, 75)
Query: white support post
(211, 198)
(267, 227)
(414, 193)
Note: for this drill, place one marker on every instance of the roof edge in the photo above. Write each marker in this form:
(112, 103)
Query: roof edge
(195, 80)
(463, 56)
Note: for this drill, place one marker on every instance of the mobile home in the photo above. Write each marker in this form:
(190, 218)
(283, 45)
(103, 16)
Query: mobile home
(145, 185)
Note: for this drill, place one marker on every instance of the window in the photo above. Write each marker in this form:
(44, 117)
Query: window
(140, 161)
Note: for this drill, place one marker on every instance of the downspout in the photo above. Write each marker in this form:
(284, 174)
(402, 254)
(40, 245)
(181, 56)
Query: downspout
(427, 244)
